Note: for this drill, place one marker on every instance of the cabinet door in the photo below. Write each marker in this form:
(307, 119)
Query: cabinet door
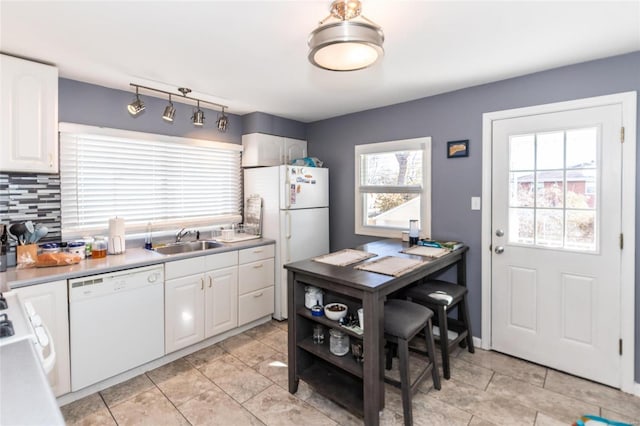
(50, 302)
(28, 116)
(221, 304)
(184, 311)
(294, 148)
(260, 149)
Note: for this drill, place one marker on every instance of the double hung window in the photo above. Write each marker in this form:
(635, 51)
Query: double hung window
(393, 187)
(168, 181)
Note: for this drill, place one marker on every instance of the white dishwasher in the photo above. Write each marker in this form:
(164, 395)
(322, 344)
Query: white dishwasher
(116, 323)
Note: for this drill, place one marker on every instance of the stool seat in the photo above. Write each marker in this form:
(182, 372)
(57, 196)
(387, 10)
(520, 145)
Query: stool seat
(425, 290)
(404, 319)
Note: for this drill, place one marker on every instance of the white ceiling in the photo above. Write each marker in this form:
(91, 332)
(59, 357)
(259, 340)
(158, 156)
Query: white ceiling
(252, 55)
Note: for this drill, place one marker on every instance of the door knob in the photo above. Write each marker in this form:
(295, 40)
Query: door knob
(499, 250)
(499, 233)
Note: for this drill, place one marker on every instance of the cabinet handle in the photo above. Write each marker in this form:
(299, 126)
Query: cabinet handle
(210, 282)
(257, 294)
(50, 161)
(258, 251)
(258, 266)
(201, 283)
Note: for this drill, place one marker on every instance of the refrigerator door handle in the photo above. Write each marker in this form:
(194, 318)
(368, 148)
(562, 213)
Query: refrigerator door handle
(287, 219)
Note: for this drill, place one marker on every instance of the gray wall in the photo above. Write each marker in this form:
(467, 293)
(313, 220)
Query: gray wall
(92, 105)
(453, 116)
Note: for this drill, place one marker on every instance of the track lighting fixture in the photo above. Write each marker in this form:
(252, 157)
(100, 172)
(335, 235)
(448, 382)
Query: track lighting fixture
(137, 106)
(197, 118)
(346, 44)
(169, 111)
(222, 122)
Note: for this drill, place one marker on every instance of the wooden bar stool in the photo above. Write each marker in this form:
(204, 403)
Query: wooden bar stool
(430, 294)
(403, 320)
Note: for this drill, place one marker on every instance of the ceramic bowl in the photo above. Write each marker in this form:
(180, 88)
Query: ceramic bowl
(335, 311)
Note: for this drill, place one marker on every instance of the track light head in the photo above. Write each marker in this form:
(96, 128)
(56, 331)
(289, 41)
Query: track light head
(222, 122)
(137, 106)
(198, 116)
(169, 112)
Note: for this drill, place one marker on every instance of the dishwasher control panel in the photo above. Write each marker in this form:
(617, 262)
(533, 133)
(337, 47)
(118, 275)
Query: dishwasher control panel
(119, 281)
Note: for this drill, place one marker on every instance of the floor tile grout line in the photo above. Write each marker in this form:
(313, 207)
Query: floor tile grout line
(108, 409)
(170, 401)
(493, 373)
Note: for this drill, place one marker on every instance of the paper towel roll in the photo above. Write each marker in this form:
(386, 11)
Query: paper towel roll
(116, 235)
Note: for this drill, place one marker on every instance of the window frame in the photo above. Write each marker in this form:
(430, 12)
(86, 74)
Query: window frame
(424, 144)
(166, 226)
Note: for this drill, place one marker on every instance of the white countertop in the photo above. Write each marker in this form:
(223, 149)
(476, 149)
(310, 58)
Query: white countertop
(132, 258)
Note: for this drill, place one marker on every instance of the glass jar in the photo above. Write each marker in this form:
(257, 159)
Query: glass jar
(312, 296)
(338, 342)
(99, 247)
(414, 232)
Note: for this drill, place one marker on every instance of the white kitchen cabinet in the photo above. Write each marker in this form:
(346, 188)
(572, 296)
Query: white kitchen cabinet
(201, 298)
(50, 302)
(256, 283)
(28, 116)
(260, 149)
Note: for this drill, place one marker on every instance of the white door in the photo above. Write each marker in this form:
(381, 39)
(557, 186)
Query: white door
(556, 226)
(304, 187)
(184, 312)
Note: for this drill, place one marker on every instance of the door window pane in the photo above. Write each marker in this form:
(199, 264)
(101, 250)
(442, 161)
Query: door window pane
(581, 189)
(550, 189)
(581, 227)
(521, 226)
(549, 227)
(550, 150)
(521, 189)
(521, 152)
(581, 147)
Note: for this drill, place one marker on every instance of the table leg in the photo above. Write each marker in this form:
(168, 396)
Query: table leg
(373, 374)
(292, 326)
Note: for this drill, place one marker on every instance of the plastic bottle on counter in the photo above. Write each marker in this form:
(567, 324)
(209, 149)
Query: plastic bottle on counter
(88, 241)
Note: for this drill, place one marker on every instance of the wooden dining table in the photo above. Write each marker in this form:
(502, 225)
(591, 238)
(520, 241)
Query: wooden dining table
(356, 385)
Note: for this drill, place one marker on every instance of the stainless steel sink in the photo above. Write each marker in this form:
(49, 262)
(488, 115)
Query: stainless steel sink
(188, 247)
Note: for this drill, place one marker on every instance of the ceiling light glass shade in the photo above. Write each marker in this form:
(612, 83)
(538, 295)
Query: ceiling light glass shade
(136, 107)
(198, 118)
(169, 113)
(346, 46)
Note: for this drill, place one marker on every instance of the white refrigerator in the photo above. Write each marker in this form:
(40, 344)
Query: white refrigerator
(295, 213)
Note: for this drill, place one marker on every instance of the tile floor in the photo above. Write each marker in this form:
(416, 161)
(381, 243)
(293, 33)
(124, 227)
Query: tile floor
(243, 381)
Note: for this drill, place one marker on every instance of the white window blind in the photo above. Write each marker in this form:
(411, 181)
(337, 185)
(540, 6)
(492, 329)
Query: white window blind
(170, 182)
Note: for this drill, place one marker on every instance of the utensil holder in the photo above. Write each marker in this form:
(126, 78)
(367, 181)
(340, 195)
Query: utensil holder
(27, 253)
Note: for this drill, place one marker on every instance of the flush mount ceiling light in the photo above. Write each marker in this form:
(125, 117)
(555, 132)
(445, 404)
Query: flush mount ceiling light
(137, 106)
(198, 116)
(348, 44)
(222, 122)
(170, 111)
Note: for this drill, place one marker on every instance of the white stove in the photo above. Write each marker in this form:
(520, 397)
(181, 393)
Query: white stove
(19, 321)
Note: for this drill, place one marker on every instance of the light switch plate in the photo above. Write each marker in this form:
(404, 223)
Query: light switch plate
(475, 203)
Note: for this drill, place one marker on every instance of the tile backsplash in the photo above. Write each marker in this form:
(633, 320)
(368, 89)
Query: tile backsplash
(31, 196)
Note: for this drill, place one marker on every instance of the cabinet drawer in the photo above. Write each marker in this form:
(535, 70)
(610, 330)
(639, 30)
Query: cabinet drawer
(256, 275)
(254, 305)
(182, 268)
(221, 260)
(256, 253)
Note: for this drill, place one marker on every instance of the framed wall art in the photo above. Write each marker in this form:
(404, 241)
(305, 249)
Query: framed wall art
(457, 149)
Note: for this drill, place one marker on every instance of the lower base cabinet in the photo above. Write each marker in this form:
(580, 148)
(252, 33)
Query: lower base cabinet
(50, 302)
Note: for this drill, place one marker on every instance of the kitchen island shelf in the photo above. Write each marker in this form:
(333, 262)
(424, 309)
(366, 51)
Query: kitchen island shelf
(343, 389)
(321, 350)
(306, 313)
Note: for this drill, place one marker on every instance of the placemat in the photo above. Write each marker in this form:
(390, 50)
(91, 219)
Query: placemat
(391, 265)
(425, 251)
(344, 257)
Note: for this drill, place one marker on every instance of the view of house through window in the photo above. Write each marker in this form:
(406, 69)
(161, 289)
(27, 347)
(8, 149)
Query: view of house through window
(554, 189)
(392, 186)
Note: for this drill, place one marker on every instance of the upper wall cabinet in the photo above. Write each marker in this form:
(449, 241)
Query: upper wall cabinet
(260, 149)
(28, 116)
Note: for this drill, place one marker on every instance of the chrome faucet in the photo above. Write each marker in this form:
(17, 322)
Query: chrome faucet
(184, 232)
